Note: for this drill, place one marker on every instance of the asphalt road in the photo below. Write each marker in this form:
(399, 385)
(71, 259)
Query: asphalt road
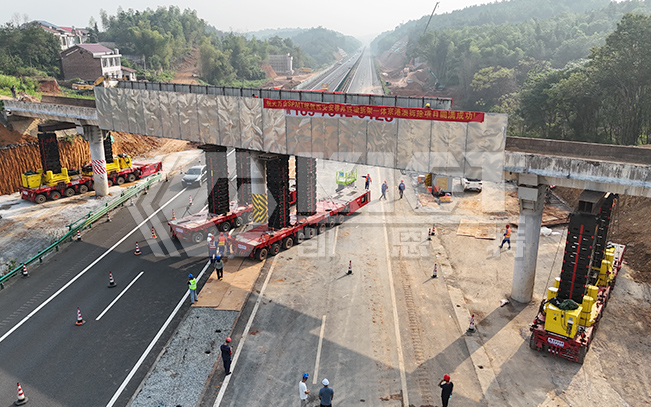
(61, 364)
(365, 79)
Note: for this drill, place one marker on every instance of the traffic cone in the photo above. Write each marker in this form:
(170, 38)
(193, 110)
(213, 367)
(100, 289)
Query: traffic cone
(22, 399)
(78, 235)
(80, 320)
(471, 328)
(350, 267)
(153, 233)
(433, 231)
(137, 252)
(190, 204)
(111, 281)
(131, 201)
(108, 216)
(429, 234)
(173, 215)
(435, 274)
(25, 273)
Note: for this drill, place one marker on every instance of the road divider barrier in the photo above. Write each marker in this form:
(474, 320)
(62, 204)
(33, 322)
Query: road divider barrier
(87, 221)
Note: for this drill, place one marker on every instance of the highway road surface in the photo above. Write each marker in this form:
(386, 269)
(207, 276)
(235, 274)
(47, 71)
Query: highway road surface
(102, 362)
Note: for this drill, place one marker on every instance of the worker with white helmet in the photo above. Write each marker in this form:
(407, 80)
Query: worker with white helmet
(212, 245)
(326, 394)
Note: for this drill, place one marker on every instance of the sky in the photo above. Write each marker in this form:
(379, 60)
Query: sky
(248, 15)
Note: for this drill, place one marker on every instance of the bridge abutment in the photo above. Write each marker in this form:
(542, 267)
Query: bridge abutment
(259, 190)
(532, 201)
(95, 138)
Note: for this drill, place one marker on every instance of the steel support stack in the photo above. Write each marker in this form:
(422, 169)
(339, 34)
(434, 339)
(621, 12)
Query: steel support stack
(49, 148)
(218, 198)
(243, 171)
(579, 247)
(108, 148)
(278, 187)
(605, 212)
(305, 186)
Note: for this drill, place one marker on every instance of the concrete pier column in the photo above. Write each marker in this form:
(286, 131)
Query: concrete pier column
(95, 138)
(259, 190)
(532, 202)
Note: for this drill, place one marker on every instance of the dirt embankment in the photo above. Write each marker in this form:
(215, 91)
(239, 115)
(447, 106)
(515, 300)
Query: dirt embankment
(16, 159)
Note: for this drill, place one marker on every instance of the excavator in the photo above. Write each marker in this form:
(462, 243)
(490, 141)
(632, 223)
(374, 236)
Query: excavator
(98, 81)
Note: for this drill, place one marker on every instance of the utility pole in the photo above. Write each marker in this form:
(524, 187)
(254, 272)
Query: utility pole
(430, 16)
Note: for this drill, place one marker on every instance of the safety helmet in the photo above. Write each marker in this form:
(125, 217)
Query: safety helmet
(427, 105)
(508, 226)
(446, 378)
(219, 257)
(402, 180)
(189, 275)
(325, 382)
(305, 375)
(228, 339)
(221, 233)
(209, 234)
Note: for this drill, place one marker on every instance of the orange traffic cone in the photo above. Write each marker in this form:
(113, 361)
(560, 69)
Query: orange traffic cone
(350, 267)
(111, 281)
(471, 328)
(78, 235)
(435, 274)
(153, 233)
(173, 215)
(80, 320)
(21, 397)
(25, 273)
(190, 204)
(137, 252)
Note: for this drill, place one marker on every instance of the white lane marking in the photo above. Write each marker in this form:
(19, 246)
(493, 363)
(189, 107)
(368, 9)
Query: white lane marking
(153, 342)
(318, 350)
(204, 208)
(120, 295)
(334, 245)
(240, 345)
(53, 296)
(396, 324)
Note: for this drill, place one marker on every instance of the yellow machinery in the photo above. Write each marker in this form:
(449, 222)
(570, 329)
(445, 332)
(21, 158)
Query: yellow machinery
(120, 162)
(35, 180)
(98, 81)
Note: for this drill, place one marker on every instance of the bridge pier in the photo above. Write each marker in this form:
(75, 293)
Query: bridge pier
(532, 201)
(217, 182)
(95, 138)
(259, 190)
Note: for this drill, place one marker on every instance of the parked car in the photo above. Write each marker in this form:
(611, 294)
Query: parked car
(195, 176)
(471, 184)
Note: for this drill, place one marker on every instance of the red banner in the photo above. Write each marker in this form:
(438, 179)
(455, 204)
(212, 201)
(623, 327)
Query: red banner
(383, 113)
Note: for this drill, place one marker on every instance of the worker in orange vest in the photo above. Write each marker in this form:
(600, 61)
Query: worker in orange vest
(221, 243)
(507, 237)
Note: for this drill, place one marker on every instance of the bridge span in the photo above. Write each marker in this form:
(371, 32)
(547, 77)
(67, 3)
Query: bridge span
(394, 132)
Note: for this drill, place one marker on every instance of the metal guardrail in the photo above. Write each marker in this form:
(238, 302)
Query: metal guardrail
(85, 222)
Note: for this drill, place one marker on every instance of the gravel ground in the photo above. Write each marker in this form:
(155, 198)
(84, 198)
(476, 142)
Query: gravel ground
(178, 378)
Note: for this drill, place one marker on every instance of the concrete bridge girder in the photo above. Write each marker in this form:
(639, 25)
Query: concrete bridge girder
(580, 173)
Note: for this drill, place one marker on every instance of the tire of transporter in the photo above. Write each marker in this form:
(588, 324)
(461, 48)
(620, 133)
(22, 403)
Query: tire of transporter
(110, 182)
(340, 219)
(120, 180)
(288, 242)
(83, 188)
(131, 177)
(69, 192)
(248, 218)
(197, 237)
(40, 199)
(532, 342)
(322, 228)
(332, 221)
(54, 195)
(239, 221)
(225, 226)
(582, 352)
(275, 249)
(212, 230)
(310, 232)
(300, 237)
(261, 254)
